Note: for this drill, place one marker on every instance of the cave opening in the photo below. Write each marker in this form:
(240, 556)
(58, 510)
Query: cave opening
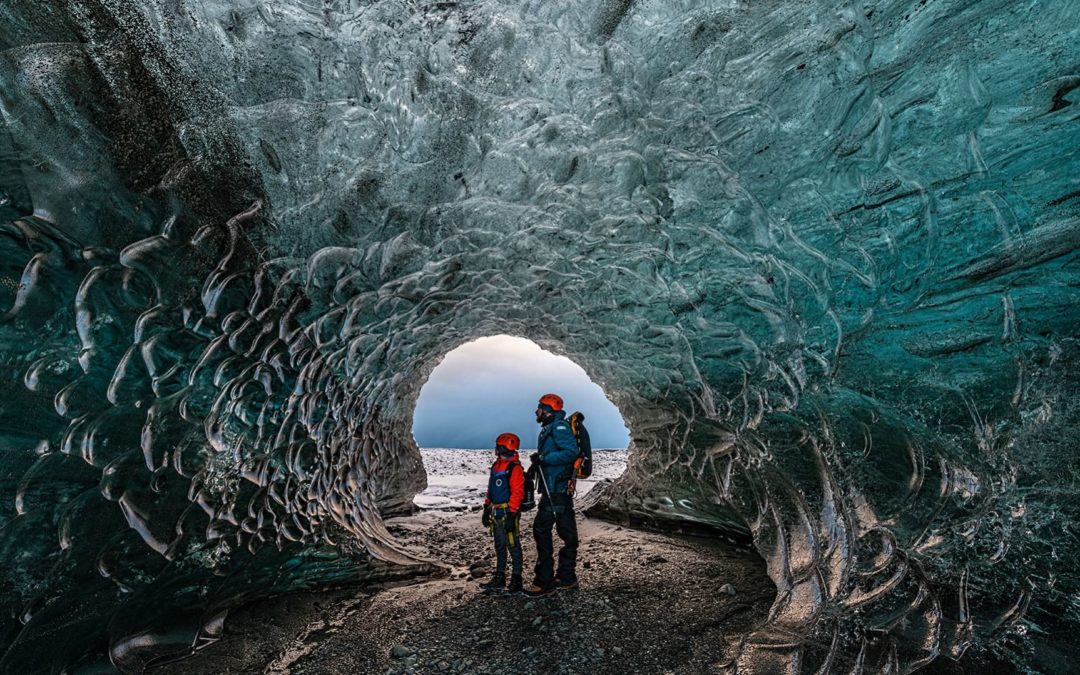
(490, 386)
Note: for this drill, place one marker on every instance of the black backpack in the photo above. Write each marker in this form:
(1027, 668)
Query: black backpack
(583, 463)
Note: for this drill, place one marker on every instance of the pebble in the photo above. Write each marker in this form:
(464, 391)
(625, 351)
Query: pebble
(616, 650)
(729, 589)
(401, 651)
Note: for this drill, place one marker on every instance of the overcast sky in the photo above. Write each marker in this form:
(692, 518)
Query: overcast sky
(491, 386)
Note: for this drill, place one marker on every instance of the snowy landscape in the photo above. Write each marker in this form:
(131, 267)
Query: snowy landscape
(457, 478)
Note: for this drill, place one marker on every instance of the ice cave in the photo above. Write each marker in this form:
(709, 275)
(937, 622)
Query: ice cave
(823, 255)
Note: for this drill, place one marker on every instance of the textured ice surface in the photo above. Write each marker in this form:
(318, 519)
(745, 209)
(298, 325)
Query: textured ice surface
(822, 255)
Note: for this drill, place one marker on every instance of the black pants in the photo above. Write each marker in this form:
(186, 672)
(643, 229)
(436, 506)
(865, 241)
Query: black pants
(505, 533)
(558, 513)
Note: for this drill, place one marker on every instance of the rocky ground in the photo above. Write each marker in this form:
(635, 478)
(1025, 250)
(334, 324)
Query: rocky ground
(648, 603)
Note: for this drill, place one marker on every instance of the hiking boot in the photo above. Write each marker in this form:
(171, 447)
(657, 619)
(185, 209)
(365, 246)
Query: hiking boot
(496, 584)
(515, 584)
(566, 585)
(537, 591)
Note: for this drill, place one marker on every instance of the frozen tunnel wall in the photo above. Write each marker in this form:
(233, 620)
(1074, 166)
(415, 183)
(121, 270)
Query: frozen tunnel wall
(822, 255)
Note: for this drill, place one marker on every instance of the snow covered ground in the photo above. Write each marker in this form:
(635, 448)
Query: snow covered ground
(457, 479)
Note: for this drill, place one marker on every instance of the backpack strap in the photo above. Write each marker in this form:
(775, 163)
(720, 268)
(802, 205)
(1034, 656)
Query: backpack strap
(545, 431)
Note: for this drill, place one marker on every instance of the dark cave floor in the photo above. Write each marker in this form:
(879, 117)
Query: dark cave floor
(648, 603)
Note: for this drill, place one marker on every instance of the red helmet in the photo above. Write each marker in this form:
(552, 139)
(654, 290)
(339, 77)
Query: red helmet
(552, 401)
(508, 441)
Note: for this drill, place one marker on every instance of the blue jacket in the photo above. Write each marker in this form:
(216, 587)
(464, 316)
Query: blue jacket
(558, 449)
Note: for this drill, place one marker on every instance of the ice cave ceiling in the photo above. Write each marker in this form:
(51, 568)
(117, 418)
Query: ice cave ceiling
(823, 255)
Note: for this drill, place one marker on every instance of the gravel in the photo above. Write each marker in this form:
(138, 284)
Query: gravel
(677, 613)
(648, 603)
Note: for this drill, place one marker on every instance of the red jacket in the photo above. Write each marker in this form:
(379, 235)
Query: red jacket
(517, 482)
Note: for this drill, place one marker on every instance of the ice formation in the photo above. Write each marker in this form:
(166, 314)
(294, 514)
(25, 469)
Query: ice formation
(822, 255)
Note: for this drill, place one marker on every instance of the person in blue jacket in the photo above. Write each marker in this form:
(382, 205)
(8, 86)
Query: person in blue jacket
(554, 461)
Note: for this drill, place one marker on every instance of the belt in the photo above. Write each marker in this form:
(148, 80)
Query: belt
(505, 505)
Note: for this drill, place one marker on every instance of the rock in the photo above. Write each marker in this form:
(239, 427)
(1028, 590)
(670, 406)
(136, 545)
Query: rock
(587, 565)
(729, 589)
(617, 651)
(538, 620)
(443, 666)
(401, 651)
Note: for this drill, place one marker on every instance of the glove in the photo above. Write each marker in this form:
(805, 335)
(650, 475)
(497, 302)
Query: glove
(535, 458)
(486, 518)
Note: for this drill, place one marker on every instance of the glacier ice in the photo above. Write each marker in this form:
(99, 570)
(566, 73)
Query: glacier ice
(822, 255)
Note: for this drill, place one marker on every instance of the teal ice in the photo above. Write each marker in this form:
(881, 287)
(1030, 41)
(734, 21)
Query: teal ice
(823, 255)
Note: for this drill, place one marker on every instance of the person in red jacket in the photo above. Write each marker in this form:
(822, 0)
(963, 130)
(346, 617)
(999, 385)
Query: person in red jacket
(506, 489)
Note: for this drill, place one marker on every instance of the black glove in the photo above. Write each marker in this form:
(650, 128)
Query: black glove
(512, 521)
(486, 518)
(528, 501)
(535, 458)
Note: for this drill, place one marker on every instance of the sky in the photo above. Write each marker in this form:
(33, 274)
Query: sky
(491, 386)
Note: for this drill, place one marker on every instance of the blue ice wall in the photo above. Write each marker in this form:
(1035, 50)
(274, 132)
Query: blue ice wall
(822, 255)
